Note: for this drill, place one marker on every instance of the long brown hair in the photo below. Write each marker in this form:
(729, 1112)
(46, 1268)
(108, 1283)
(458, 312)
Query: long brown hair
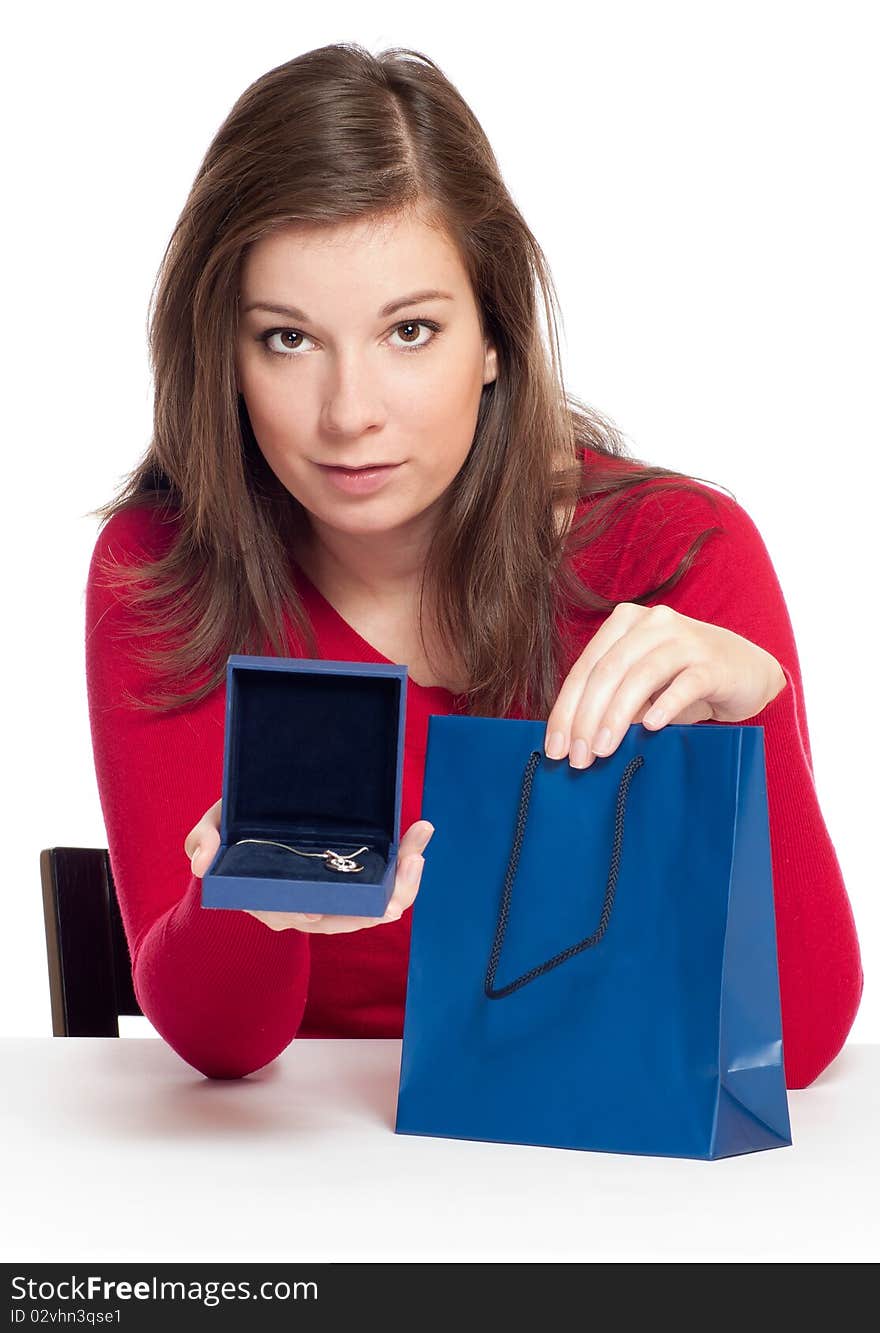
(332, 135)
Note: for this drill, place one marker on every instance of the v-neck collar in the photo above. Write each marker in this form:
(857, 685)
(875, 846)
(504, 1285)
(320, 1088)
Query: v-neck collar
(366, 651)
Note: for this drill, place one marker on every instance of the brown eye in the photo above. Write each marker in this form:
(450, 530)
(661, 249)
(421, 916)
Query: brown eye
(291, 341)
(412, 326)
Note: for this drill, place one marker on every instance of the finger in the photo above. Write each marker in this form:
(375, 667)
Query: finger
(343, 925)
(638, 668)
(594, 675)
(410, 863)
(205, 833)
(416, 838)
(406, 886)
(650, 677)
(206, 848)
(285, 920)
(683, 701)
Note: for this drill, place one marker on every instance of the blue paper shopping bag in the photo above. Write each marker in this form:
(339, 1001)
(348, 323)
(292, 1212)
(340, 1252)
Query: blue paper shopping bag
(593, 951)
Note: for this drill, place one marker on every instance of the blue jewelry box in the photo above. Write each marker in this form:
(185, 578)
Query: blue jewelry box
(312, 759)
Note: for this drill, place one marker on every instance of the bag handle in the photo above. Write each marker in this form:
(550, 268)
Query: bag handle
(605, 916)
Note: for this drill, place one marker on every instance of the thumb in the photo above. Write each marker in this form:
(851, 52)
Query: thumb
(424, 832)
(416, 838)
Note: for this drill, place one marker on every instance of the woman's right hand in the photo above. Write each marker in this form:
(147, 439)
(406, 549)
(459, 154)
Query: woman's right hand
(203, 839)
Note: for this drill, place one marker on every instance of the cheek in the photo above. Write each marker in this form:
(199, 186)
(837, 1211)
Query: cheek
(278, 417)
(439, 418)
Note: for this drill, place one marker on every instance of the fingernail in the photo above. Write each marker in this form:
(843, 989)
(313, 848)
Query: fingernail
(193, 859)
(603, 742)
(425, 840)
(578, 756)
(556, 745)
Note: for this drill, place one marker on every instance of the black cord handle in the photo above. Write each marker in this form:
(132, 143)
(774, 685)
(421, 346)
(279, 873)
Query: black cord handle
(501, 928)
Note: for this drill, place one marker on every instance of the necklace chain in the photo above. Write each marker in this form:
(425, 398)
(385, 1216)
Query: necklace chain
(342, 861)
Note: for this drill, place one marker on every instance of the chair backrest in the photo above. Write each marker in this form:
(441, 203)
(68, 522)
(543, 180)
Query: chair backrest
(89, 964)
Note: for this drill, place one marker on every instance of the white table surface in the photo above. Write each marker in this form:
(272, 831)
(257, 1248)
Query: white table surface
(117, 1150)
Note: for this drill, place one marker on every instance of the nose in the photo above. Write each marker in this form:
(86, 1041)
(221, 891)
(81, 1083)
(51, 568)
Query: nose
(352, 404)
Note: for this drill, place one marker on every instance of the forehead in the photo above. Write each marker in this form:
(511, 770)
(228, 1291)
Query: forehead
(373, 259)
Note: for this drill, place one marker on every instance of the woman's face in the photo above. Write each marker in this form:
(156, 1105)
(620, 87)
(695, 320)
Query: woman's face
(341, 378)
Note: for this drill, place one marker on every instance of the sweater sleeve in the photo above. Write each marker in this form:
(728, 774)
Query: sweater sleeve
(224, 990)
(732, 583)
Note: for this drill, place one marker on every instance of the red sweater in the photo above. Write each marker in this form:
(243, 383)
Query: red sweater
(229, 994)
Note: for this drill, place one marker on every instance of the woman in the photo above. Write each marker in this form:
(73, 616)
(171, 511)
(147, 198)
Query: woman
(350, 285)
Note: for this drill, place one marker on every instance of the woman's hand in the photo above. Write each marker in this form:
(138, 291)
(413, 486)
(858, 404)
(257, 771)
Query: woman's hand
(201, 845)
(651, 664)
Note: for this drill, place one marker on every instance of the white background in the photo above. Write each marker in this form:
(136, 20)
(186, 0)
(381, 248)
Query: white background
(703, 180)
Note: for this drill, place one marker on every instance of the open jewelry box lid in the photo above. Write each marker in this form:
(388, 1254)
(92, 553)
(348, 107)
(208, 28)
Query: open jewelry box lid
(312, 759)
(313, 749)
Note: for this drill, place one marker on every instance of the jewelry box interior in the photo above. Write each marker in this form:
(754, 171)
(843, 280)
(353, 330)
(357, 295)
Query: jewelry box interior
(312, 762)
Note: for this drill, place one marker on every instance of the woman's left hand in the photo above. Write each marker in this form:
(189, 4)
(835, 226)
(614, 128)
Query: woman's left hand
(648, 658)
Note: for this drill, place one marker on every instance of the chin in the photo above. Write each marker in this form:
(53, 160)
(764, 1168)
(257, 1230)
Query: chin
(362, 518)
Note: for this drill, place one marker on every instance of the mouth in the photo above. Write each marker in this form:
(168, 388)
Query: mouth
(363, 480)
(363, 467)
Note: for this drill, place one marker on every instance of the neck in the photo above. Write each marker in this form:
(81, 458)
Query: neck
(384, 569)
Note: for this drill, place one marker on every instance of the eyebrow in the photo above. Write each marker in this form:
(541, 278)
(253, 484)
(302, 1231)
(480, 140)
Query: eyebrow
(295, 313)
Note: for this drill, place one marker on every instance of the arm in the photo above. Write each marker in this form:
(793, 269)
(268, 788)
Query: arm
(224, 991)
(732, 583)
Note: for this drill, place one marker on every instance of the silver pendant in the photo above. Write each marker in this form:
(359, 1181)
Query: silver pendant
(341, 861)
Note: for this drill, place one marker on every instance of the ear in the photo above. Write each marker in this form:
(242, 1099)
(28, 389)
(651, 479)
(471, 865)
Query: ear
(490, 364)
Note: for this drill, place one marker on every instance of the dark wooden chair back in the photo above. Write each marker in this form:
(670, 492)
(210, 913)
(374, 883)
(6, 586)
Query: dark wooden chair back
(89, 964)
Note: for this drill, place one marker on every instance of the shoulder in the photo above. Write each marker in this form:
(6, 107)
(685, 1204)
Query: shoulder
(138, 534)
(143, 528)
(127, 545)
(658, 521)
(658, 498)
(668, 509)
(118, 622)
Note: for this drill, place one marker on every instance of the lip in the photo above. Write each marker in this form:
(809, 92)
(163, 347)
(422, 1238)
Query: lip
(359, 481)
(359, 467)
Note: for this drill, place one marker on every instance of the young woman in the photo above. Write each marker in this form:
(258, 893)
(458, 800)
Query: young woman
(363, 451)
